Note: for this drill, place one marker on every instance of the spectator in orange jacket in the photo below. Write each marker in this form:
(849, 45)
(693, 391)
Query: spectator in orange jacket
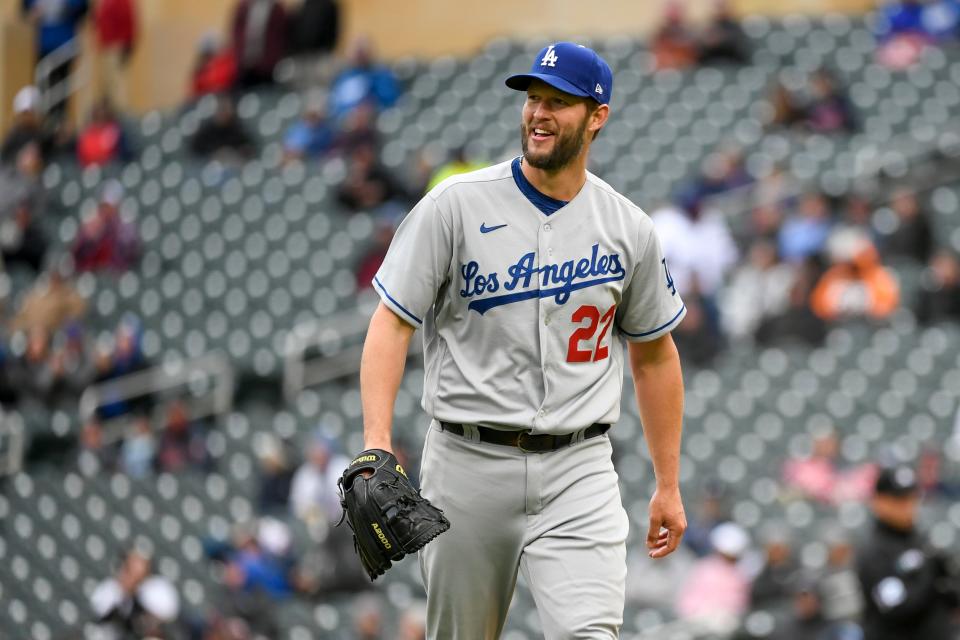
(857, 285)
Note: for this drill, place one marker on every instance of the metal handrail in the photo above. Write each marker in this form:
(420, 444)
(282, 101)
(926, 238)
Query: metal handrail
(347, 328)
(872, 159)
(52, 95)
(170, 375)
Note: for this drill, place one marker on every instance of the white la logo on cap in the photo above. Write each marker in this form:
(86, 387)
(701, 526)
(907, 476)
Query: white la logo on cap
(549, 58)
(599, 89)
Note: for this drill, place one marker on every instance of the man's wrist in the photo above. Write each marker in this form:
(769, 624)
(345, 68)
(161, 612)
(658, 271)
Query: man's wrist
(378, 443)
(668, 485)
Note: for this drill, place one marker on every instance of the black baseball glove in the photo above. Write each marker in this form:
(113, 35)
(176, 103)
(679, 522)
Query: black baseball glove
(388, 516)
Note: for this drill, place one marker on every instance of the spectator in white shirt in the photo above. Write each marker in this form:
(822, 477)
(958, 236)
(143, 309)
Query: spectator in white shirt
(313, 493)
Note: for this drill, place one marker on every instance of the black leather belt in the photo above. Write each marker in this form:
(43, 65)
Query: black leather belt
(525, 441)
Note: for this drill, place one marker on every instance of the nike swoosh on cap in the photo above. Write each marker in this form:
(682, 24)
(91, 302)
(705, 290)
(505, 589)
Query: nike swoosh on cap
(485, 229)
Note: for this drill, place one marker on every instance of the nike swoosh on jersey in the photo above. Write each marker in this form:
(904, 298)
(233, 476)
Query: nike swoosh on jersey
(485, 229)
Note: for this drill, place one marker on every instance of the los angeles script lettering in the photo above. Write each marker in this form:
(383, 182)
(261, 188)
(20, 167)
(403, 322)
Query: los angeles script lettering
(523, 273)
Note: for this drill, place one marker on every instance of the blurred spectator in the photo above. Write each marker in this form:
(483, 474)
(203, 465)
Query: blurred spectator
(71, 365)
(413, 622)
(765, 221)
(313, 495)
(275, 479)
(22, 240)
(805, 232)
(829, 110)
(458, 164)
(940, 289)
(362, 82)
(722, 42)
(721, 171)
(116, 30)
(56, 22)
(254, 607)
(820, 477)
(105, 241)
(370, 262)
(20, 183)
(215, 68)
(797, 323)
(367, 618)
(717, 592)
(183, 442)
(673, 45)
(359, 130)
(857, 285)
(905, 28)
(711, 511)
(29, 370)
(838, 585)
(932, 481)
(315, 27)
(125, 357)
(93, 444)
(698, 336)
(941, 18)
(773, 586)
(697, 246)
(913, 235)
(259, 40)
(858, 214)
(909, 590)
(758, 290)
(311, 136)
(103, 140)
(26, 128)
(785, 109)
(52, 302)
(139, 449)
(223, 137)
(369, 186)
(135, 603)
(899, 18)
(807, 621)
(261, 563)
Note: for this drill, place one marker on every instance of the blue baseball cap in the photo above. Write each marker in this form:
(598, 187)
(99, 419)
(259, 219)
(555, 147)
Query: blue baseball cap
(571, 68)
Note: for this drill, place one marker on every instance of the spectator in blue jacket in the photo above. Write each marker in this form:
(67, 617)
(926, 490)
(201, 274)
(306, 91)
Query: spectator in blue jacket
(311, 136)
(363, 82)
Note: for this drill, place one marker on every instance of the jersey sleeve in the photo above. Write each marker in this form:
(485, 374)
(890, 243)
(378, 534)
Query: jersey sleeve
(651, 305)
(416, 263)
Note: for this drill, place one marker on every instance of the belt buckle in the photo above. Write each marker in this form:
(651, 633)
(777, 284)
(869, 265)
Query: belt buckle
(520, 442)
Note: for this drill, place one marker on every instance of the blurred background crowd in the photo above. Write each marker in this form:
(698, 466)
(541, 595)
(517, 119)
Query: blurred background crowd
(803, 174)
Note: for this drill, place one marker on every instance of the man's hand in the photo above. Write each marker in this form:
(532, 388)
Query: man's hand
(666, 513)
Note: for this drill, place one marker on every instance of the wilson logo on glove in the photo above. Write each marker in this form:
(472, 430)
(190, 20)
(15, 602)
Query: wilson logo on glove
(389, 518)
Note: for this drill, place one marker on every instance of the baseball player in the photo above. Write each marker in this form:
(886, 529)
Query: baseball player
(527, 278)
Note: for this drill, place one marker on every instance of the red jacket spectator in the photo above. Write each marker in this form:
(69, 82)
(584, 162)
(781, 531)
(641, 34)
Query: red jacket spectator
(215, 72)
(115, 24)
(102, 141)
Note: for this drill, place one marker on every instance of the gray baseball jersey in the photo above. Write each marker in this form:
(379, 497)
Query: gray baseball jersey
(524, 314)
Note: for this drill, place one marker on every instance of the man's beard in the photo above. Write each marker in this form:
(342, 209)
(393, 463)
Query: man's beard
(565, 149)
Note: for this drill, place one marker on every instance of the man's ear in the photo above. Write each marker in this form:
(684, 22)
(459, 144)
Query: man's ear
(599, 118)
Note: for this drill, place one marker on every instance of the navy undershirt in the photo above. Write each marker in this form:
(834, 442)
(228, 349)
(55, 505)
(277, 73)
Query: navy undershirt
(541, 201)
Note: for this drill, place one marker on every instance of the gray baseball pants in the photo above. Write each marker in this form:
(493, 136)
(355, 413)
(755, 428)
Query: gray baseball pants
(555, 516)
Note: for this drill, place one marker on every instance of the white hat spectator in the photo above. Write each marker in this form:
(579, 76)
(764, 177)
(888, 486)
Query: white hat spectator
(274, 536)
(27, 99)
(730, 539)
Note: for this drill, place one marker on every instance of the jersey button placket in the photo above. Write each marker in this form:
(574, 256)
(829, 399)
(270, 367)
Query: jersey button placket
(545, 309)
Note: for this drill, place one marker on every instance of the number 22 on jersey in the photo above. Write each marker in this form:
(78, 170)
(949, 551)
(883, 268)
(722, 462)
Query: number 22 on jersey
(597, 350)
